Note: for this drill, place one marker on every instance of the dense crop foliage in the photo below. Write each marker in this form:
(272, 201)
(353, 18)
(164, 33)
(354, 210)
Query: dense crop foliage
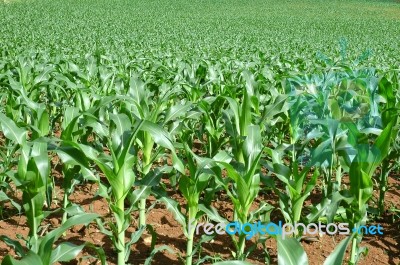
(203, 99)
(207, 30)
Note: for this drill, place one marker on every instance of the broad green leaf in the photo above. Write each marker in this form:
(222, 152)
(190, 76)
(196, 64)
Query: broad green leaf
(252, 146)
(12, 131)
(125, 177)
(176, 111)
(52, 236)
(141, 193)
(234, 107)
(66, 251)
(123, 127)
(162, 138)
(278, 106)
(71, 154)
(43, 122)
(30, 259)
(291, 252)
(337, 256)
(153, 177)
(16, 245)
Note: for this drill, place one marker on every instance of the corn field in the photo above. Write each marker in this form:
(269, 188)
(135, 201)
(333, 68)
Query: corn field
(130, 129)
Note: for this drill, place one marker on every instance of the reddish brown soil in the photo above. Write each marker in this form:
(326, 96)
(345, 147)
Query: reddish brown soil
(382, 250)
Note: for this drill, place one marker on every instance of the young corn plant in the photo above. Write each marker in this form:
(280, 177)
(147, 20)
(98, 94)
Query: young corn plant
(43, 252)
(192, 186)
(292, 162)
(8, 160)
(245, 180)
(74, 171)
(389, 114)
(298, 185)
(118, 166)
(361, 170)
(239, 116)
(153, 105)
(211, 127)
(32, 177)
(27, 98)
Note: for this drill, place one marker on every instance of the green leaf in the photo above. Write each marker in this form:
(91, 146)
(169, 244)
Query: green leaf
(383, 142)
(65, 252)
(252, 146)
(30, 259)
(52, 236)
(162, 138)
(15, 244)
(155, 251)
(275, 108)
(187, 187)
(123, 127)
(40, 156)
(12, 131)
(4, 197)
(234, 107)
(175, 112)
(141, 193)
(337, 256)
(125, 178)
(284, 171)
(44, 122)
(71, 154)
(212, 213)
(153, 177)
(291, 252)
(44, 76)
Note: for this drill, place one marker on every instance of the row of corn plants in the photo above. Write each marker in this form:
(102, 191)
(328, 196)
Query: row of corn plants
(141, 128)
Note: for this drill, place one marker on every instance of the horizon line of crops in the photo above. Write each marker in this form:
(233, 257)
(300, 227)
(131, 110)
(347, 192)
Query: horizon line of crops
(270, 125)
(207, 29)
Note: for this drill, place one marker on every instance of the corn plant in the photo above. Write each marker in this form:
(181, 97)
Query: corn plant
(193, 185)
(298, 186)
(388, 116)
(246, 182)
(118, 168)
(8, 160)
(74, 171)
(32, 178)
(44, 254)
(362, 168)
(119, 173)
(211, 124)
(239, 116)
(152, 106)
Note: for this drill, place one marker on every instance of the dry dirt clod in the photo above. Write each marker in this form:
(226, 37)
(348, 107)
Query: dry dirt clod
(54, 222)
(146, 239)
